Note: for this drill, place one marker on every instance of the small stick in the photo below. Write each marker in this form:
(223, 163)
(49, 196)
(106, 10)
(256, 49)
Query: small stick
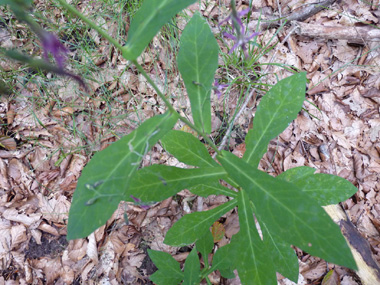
(299, 15)
(358, 35)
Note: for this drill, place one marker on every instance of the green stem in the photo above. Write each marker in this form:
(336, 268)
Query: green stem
(140, 69)
(207, 272)
(167, 103)
(102, 32)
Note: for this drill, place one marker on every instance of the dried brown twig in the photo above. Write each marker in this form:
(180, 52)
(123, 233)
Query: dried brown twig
(298, 15)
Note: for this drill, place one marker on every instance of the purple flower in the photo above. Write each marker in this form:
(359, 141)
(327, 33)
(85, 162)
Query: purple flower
(139, 203)
(218, 88)
(236, 16)
(237, 26)
(51, 44)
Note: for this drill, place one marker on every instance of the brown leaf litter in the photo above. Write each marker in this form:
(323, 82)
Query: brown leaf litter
(338, 133)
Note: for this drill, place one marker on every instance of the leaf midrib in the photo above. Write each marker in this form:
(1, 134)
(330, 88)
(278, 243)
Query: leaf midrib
(176, 180)
(268, 125)
(210, 163)
(248, 232)
(164, 119)
(149, 19)
(223, 208)
(283, 205)
(129, 154)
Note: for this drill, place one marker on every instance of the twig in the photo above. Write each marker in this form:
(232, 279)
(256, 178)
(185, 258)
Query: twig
(358, 35)
(279, 11)
(299, 15)
(231, 123)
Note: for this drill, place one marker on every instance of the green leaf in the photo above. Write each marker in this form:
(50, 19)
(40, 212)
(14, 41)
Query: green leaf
(192, 269)
(223, 261)
(284, 258)
(191, 226)
(187, 149)
(197, 62)
(18, 5)
(290, 213)
(6, 2)
(104, 179)
(205, 244)
(277, 109)
(253, 263)
(148, 20)
(169, 271)
(214, 188)
(326, 189)
(158, 182)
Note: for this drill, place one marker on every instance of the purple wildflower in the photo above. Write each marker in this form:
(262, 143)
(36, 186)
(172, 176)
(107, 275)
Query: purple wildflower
(139, 203)
(218, 88)
(51, 44)
(236, 16)
(237, 26)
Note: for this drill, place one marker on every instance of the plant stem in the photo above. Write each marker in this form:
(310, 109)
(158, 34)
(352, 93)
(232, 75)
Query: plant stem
(231, 123)
(74, 11)
(208, 272)
(94, 26)
(167, 103)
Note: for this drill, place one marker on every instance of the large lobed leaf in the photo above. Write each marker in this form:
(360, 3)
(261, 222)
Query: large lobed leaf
(252, 260)
(158, 182)
(104, 179)
(205, 245)
(213, 188)
(148, 20)
(187, 149)
(192, 268)
(277, 109)
(290, 213)
(197, 62)
(223, 261)
(169, 271)
(188, 229)
(326, 189)
(283, 256)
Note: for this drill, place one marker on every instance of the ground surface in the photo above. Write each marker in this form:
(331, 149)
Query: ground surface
(57, 129)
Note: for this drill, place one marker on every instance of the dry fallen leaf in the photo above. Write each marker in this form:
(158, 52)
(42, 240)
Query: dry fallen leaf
(217, 231)
(92, 251)
(8, 143)
(26, 219)
(331, 278)
(64, 112)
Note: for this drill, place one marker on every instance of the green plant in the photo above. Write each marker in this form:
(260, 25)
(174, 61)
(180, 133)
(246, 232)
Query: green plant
(287, 207)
